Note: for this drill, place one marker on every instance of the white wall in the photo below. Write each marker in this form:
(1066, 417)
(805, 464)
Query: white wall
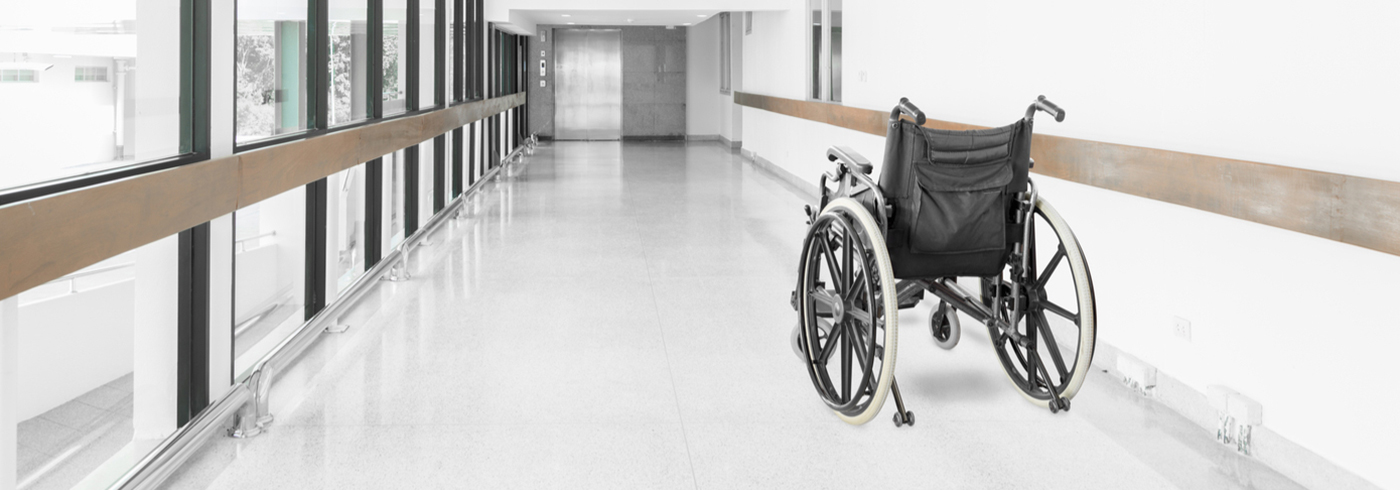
(1291, 320)
(702, 85)
(73, 343)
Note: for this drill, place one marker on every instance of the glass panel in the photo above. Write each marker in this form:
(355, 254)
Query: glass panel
(395, 56)
(447, 169)
(425, 183)
(393, 201)
(53, 127)
(815, 56)
(427, 46)
(345, 226)
(451, 32)
(83, 341)
(269, 68)
(834, 83)
(349, 46)
(269, 275)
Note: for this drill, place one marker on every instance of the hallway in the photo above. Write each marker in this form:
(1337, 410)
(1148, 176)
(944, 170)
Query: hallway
(616, 316)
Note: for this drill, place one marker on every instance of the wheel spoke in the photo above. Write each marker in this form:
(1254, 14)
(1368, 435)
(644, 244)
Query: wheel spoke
(846, 358)
(837, 332)
(859, 315)
(1056, 309)
(856, 288)
(848, 265)
(832, 266)
(1051, 345)
(1050, 268)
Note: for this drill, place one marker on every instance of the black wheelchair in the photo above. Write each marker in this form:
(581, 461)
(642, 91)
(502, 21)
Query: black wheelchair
(949, 204)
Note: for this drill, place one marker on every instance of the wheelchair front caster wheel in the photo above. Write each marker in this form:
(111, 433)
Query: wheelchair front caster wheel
(943, 324)
(907, 419)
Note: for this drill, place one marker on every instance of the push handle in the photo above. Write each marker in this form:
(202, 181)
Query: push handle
(1050, 108)
(913, 111)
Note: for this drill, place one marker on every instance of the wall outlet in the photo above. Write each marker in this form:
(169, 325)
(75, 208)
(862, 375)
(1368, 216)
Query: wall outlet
(1181, 328)
(862, 76)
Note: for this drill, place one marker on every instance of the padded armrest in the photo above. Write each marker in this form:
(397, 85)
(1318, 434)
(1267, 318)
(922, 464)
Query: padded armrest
(850, 158)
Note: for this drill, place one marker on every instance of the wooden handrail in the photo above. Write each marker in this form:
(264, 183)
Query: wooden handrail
(46, 238)
(1349, 209)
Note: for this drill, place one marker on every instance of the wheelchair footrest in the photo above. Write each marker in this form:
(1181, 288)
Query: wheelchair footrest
(910, 293)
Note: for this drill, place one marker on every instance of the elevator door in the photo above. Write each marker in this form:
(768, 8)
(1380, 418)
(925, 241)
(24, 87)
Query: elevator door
(588, 84)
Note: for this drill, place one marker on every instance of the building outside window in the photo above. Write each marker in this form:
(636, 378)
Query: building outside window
(270, 91)
(78, 78)
(349, 62)
(395, 56)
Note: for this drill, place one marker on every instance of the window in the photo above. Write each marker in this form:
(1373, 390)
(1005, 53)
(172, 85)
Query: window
(54, 128)
(825, 54)
(724, 53)
(269, 262)
(395, 56)
(89, 74)
(349, 63)
(18, 75)
(270, 92)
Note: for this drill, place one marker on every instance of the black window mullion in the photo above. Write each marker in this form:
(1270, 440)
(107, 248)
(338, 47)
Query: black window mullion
(317, 59)
(457, 49)
(192, 338)
(413, 63)
(439, 168)
(194, 77)
(440, 54)
(374, 212)
(471, 154)
(317, 194)
(457, 162)
(374, 80)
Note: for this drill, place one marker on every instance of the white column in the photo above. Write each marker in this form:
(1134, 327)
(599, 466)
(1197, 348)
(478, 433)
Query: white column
(221, 21)
(9, 390)
(157, 348)
(220, 306)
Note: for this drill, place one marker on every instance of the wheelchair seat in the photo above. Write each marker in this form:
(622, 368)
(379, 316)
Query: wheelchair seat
(952, 193)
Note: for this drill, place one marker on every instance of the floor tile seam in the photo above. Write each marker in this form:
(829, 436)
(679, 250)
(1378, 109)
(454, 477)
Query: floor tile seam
(675, 391)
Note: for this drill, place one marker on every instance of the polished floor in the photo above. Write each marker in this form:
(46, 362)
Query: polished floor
(616, 316)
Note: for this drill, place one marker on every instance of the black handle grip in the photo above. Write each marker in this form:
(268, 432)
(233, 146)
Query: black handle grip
(1050, 108)
(913, 111)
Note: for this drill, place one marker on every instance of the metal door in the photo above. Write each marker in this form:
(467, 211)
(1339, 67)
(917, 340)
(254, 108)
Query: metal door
(588, 84)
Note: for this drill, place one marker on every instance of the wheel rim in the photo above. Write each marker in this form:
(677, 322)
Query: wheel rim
(842, 324)
(1058, 326)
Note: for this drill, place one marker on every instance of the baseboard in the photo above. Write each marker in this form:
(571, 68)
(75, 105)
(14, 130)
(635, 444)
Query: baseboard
(673, 137)
(802, 188)
(702, 137)
(1290, 459)
(733, 145)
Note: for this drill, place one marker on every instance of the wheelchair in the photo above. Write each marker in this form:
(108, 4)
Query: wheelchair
(949, 205)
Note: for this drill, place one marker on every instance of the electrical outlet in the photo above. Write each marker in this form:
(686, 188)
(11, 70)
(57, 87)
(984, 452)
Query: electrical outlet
(1181, 328)
(862, 75)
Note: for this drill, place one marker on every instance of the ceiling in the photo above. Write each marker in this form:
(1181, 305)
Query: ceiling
(617, 17)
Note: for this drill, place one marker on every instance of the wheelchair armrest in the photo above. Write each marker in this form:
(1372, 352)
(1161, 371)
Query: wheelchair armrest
(850, 158)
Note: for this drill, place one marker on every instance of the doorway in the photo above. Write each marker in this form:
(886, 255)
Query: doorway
(588, 84)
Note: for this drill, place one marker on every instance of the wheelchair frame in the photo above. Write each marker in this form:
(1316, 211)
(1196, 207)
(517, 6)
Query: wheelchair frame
(852, 180)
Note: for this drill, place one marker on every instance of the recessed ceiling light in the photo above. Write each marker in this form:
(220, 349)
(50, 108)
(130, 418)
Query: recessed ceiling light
(565, 15)
(629, 20)
(686, 24)
(702, 16)
(571, 23)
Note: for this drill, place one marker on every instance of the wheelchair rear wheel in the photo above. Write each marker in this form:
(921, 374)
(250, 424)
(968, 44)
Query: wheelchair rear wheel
(849, 311)
(1053, 343)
